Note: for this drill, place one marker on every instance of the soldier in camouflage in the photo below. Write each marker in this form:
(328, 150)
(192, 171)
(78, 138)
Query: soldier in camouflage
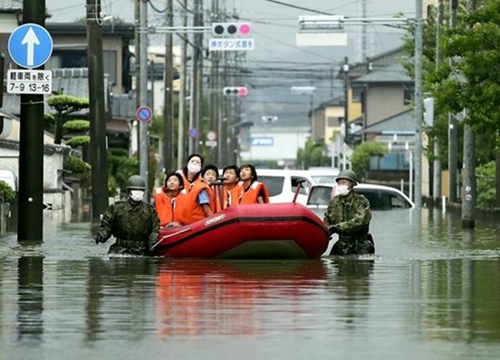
(133, 222)
(348, 215)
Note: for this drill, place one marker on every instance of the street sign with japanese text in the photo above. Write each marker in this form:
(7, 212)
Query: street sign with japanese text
(229, 44)
(29, 81)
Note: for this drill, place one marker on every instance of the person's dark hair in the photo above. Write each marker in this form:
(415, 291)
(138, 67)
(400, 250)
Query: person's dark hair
(231, 167)
(177, 175)
(185, 168)
(252, 170)
(210, 167)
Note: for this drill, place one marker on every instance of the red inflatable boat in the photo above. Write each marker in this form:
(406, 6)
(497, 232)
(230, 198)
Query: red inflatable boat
(256, 231)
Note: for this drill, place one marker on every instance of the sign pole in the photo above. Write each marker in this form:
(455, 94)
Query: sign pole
(31, 149)
(143, 126)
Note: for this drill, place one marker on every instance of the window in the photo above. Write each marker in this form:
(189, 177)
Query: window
(333, 121)
(304, 189)
(320, 195)
(274, 184)
(357, 95)
(409, 96)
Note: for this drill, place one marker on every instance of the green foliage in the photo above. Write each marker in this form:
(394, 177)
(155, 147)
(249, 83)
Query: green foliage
(49, 121)
(112, 186)
(7, 194)
(76, 165)
(73, 126)
(312, 155)
(471, 81)
(360, 158)
(67, 103)
(121, 166)
(486, 185)
(64, 105)
(77, 141)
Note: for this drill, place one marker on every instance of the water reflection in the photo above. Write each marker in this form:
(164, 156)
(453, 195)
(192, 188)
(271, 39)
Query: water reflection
(458, 299)
(426, 291)
(30, 301)
(223, 297)
(118, 289)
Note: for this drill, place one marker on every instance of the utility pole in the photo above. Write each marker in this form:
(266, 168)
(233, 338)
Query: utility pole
(196, 79)
(137, 72)
(452, 126)
(199, 80)
(143, 126)
(436, 183)
(345, 70)
(182, 92)
(418, 103)
(469, 174)
(97, 112)
(215, 89)
(168, 130)
(30, 213)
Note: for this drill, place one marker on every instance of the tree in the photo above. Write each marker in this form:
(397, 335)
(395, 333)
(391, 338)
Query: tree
(64, 105)
(312, 155)
(471, 82)
(360, 158)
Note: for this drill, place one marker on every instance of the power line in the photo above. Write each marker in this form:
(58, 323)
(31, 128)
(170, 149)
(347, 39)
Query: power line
(298, 7)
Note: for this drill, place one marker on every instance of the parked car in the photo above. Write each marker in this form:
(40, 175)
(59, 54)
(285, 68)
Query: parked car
(282, 184)
(381, 197)
(323, 174)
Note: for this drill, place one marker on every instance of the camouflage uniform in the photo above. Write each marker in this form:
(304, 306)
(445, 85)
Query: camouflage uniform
(134, 225)
(351, 215)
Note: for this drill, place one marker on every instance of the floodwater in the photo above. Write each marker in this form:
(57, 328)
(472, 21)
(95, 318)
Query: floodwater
(432, 291)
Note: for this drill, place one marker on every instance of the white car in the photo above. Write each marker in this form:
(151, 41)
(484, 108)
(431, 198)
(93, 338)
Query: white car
(282, 184)
(323, 174)
(381, 197)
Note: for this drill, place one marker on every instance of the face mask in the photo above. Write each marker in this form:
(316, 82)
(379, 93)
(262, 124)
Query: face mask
(193, 168)
(343, 190)
(136, 195)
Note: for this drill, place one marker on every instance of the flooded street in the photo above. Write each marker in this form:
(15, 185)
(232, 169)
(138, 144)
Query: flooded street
(431, 291)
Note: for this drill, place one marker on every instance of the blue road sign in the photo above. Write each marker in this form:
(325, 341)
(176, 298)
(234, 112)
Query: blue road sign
(30, 45)
(144, 113)
(193, 133)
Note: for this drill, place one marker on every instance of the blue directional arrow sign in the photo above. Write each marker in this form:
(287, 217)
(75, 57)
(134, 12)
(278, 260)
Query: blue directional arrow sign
(30, 45)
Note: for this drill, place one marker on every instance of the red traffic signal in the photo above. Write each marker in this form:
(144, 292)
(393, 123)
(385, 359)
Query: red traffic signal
(231, 29)
(235, 91)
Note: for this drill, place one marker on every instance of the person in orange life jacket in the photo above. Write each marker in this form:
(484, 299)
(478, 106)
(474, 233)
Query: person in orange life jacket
(200, 202)
(192, 171)
(170, 200)
(251, 191)
(231, 185)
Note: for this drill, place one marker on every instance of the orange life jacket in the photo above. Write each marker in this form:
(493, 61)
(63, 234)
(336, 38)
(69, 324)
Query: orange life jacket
(251, 194)
(188, 185)
(169, 209)
(231, 196)
(193, 211)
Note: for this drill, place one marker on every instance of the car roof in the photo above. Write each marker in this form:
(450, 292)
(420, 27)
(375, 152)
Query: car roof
(283, 172)
(367, 186)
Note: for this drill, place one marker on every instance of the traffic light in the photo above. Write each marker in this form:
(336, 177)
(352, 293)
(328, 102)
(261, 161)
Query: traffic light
(235, 91)
(231, 29)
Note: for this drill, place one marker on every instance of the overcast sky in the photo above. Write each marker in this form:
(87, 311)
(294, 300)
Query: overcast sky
(274, 27)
